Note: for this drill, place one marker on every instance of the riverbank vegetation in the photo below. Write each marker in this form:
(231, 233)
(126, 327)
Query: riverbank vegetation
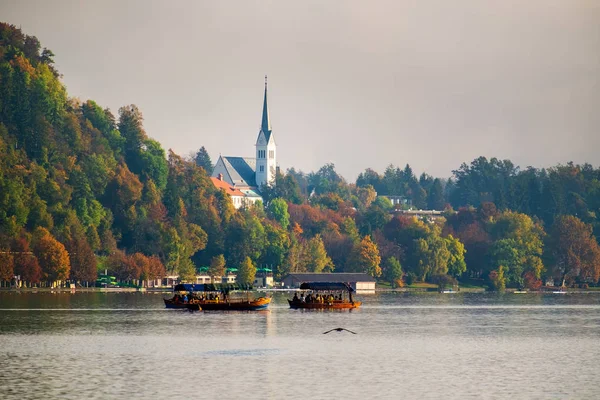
(82, 189)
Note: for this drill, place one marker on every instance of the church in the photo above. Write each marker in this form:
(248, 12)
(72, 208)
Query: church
(245, 174)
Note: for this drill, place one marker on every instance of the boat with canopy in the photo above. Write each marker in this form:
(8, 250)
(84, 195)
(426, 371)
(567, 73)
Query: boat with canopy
(209, 297)
(324, 295)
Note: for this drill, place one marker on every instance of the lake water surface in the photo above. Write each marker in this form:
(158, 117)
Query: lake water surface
(412, 346)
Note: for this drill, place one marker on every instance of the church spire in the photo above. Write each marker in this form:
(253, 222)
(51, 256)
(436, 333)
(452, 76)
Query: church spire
(266, 123)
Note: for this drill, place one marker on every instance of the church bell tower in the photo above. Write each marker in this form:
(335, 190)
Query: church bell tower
(266, 152)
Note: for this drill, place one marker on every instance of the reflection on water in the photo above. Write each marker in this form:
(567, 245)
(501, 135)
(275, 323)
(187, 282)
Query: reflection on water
(126, 345)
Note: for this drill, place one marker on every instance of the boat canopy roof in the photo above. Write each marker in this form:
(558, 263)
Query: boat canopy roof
(326, 286)
(210, 287)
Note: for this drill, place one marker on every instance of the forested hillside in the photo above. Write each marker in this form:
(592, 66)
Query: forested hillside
(82, 189)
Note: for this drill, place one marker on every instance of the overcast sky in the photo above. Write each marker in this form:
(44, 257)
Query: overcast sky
(432, 83)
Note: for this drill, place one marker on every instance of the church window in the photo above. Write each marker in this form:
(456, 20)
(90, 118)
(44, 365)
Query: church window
(262, 168)
(271, 154)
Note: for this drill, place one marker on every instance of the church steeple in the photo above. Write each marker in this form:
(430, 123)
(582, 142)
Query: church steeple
(266, 149)
(266, 123)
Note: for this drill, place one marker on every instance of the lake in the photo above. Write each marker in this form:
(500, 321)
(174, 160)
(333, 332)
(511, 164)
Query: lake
(97, 345)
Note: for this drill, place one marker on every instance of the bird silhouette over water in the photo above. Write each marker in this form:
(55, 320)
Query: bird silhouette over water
(339, 330)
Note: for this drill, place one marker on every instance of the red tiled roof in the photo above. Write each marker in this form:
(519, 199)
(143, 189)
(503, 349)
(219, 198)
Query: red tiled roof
(230, 190)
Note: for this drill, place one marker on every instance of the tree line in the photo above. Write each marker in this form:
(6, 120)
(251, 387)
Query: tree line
(83, 190)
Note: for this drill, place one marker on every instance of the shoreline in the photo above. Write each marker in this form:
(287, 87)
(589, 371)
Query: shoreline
(377, 290)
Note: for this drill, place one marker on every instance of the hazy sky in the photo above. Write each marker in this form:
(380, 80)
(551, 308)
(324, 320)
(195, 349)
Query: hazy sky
(432, 83)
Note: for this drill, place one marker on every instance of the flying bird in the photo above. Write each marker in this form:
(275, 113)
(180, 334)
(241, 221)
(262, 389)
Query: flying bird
(339, 330)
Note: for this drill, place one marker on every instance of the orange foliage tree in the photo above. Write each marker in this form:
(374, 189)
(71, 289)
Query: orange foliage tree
(26, 264)
(7, 265)
(52, 255)
(572, 249)
(156, 268)
(366, 258)
(83, 260)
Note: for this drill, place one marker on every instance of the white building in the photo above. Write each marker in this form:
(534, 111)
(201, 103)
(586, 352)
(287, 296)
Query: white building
(360, 282)
(239, 197)
(250, 174)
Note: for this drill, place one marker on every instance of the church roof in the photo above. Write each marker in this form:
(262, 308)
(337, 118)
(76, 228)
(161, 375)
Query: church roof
(230, 190)
(241, 170)
(250, 193)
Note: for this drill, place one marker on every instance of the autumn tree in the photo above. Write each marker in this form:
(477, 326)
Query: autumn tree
(123, 194)
(572, 250)
(293, 259)
(139, 266)
(146, 268)
(26, 264)
(52, 255)
(83, 260)
(156, 269)
(432, 256)
(470, 227)
(120, 265)
(7, 265)
(339, 247)
(246, 272)
(456, 260)
(530, 281)
(365, 257)
(498, 279)
(314, 256)
(224, 206)
(365, 195)
(518, 246)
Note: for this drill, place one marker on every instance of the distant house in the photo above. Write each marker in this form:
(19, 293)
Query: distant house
(421, 214)
(236, 195)
(397, 200)
(263, 278)
(202, 276)
(358, 281)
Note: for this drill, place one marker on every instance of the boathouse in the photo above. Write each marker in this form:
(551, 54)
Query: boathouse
(358, 281)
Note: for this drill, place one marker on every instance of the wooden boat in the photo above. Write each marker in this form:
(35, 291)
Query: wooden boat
(209, 297)
(175, 302)
(260, 303)
(320, 297)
